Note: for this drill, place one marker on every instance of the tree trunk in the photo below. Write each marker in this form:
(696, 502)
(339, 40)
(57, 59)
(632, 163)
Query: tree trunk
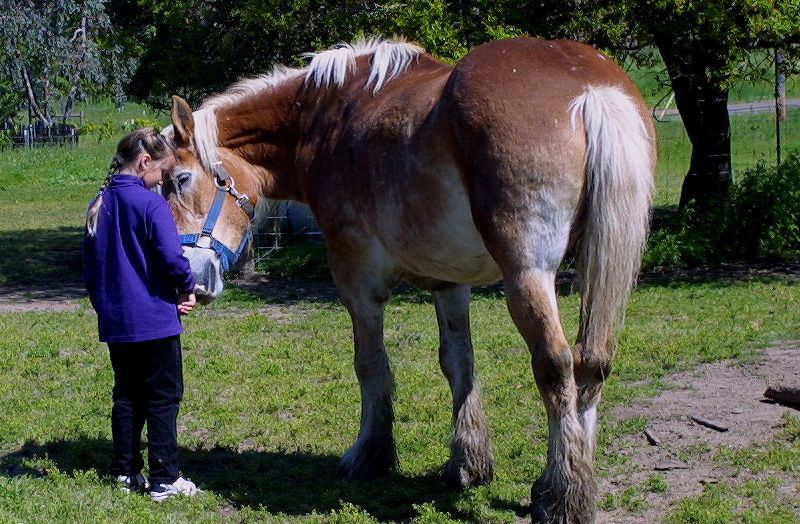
(69, 103)
(79, 41)
(33, 105)
(703, 105)
(705, 116)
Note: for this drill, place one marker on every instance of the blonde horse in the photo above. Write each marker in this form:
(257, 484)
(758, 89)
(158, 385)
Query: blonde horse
(443, 176)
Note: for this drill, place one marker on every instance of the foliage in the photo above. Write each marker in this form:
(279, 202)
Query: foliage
(56, 50)
(428, 514)
(766, 205)
(103, 131)
(10, 99)
(761, 219)
(137, 123)
(5, 137)
(297, 259)
(706, 36)
(347, 514)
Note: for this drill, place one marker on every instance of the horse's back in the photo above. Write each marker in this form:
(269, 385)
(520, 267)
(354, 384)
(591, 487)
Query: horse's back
(521, 89)
(529, 70)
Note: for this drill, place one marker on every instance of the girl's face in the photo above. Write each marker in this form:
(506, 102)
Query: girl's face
(151, 171)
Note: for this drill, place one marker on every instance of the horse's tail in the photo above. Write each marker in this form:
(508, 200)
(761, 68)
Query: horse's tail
(620, 164)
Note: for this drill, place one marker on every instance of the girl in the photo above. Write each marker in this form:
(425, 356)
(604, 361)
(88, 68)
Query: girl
(139, 282)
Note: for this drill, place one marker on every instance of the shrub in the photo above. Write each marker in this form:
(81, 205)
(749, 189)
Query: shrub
(104, 131)
(136, 123)
(761, 218)
(766, 207)
(299, 258)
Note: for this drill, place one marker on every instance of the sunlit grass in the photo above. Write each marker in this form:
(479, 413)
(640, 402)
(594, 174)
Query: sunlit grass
(272, 401)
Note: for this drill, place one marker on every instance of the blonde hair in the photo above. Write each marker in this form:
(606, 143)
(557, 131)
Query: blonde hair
(144, 140)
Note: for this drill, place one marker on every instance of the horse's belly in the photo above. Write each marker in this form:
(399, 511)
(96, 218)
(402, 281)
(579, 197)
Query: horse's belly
(443, 243)
(452, 260)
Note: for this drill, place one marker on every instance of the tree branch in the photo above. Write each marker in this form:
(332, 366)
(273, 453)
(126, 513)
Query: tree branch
(32, 97)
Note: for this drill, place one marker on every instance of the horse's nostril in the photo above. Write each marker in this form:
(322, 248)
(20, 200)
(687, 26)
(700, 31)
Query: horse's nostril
(204, 299)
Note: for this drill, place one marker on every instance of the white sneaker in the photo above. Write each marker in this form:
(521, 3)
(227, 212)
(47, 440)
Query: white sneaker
(182, 486)
(136, 483)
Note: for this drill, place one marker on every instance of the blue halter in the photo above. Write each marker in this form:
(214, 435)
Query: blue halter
(205, 239)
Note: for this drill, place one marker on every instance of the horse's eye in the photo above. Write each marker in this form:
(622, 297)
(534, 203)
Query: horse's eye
(183, 178)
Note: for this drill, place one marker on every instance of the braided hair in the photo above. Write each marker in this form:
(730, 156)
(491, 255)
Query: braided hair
(144, 140)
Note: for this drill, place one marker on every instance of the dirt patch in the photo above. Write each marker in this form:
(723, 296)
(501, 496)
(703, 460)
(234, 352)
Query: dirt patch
(288, 290)
(58, 297)
(729, 393)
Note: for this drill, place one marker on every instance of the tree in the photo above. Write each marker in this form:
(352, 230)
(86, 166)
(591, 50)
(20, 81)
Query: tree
(56, 51)
(705, 46)
(198, 47)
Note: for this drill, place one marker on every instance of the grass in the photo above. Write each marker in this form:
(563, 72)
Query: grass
(272, 399)
(272, 402)
(782, 454)
(754, 502)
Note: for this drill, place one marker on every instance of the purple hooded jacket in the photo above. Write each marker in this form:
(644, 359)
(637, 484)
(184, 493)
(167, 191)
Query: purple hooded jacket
(134, 266)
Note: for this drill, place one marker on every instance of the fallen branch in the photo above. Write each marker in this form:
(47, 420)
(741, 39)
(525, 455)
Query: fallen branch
(670, 464)
(708, 423)
(651, 438)
(784, 394)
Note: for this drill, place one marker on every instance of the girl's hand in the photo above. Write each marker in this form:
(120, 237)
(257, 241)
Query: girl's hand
(186, 303)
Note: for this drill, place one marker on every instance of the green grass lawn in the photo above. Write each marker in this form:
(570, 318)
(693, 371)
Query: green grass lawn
(272, 400)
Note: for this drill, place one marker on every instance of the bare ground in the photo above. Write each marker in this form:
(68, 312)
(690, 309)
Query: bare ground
(729, 393)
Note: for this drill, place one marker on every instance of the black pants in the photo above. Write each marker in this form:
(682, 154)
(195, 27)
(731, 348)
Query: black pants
(148, 387)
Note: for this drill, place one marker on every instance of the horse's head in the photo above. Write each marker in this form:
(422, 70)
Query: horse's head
(212, 193)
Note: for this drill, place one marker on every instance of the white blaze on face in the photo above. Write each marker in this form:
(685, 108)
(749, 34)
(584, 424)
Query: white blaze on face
(207, 272)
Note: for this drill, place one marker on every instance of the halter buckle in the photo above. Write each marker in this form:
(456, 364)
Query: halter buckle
(204, 241)
(226, 185)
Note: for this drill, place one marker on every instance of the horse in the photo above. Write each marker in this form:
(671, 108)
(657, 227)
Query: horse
(443, 176)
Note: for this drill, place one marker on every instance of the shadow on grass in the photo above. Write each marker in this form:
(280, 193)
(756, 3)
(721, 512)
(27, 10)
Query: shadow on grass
(43, 262)
(46, 264)
(294, 483)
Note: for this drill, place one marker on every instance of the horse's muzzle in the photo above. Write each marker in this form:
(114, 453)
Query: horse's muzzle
(207, 273)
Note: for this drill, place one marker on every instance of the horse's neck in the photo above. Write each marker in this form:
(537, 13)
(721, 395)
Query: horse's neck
(262, 129)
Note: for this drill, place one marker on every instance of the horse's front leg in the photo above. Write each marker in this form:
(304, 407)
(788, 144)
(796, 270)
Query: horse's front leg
(471, 461)
(365, 294)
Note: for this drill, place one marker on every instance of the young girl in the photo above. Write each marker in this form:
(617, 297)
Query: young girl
(139, 282)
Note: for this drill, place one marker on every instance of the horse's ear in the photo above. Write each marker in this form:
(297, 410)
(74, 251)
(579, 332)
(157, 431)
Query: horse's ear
(182, 121)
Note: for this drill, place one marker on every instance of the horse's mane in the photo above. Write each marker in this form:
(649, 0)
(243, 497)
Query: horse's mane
(390, 58)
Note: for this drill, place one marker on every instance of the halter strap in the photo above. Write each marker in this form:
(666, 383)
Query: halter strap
(225, 186)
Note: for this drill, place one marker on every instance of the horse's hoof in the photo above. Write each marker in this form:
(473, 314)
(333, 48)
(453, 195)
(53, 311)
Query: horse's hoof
(548, 507)
(460, 477)
(367, 461)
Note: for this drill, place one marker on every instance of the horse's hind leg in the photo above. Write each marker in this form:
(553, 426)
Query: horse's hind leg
(365, 290)
(566, 492)
(592, 364)
(471, 461)
(528, 234)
